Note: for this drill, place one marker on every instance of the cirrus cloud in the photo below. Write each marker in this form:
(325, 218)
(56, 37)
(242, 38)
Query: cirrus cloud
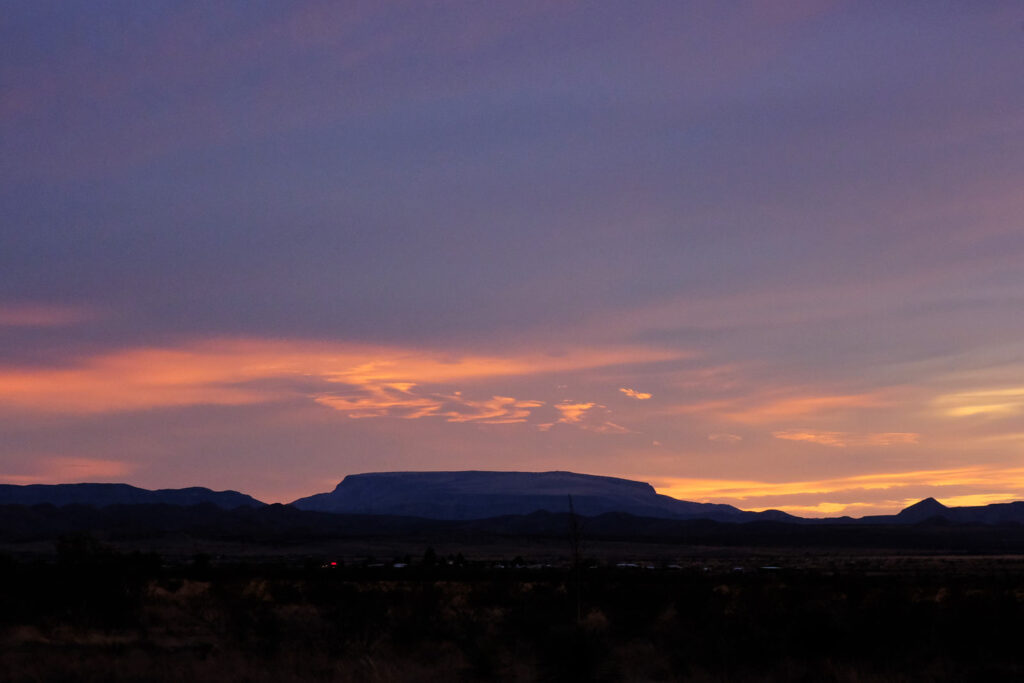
(725, 438)
(42, 315)
(404, 401)
(983, 402)
(843, 439)
(357, 380)
(56, 469)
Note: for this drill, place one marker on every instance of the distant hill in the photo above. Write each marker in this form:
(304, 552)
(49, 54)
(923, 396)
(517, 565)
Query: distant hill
(102, 495)
(922, 511)
(931, 510)
(996, 513)
(481, 494)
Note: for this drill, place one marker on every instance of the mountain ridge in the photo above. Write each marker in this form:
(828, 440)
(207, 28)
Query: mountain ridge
(106, 494)
(482, 494)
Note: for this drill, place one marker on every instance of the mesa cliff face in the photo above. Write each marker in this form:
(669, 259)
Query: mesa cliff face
(481, 494)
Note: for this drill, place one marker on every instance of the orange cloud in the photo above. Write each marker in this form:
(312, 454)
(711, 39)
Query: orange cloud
(33, 315)
(725, 438)
(86, 468)
(378, 381)
(759, 409)
(573, 412)
(607, 427)
(64, 469)
(633, 393)
(384, 400)
(496, 410)
(993, 402)
(591, 417)
(132, 380)
(400, 400)
(843, 439)
(388, 364)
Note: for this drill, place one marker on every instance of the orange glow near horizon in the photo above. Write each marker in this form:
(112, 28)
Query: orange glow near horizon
(1009, 480)
(360, 382)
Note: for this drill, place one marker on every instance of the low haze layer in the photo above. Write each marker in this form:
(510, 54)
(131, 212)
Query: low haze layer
(763, 254)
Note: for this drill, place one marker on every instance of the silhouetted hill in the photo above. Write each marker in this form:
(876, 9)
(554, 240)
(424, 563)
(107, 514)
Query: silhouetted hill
(996, 513)
(930, 510)
(480, 495)
(101, 495)
(921, 511)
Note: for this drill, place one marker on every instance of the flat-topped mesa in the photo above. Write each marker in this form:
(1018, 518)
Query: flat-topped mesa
(476, 494)
(482, 481)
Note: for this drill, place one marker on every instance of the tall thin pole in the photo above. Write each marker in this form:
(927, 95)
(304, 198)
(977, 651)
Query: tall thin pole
(577, 559)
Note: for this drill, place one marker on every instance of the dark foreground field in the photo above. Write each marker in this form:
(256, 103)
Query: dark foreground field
(90, 613)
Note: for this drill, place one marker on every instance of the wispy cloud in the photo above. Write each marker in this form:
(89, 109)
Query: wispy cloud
(777, 405)
(989, 402)
(573, 413)
(722, 437)
(360, 381)
(843, 439)
(405, 401)
(39, 315)
(383, 400)
(592, 417)
(68, 469)
(633, 393)
(569, 413)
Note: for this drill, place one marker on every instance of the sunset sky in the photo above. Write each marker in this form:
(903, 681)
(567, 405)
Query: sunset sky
(766, 253)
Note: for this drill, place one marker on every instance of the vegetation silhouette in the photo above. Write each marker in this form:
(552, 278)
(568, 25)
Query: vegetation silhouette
(99, 614)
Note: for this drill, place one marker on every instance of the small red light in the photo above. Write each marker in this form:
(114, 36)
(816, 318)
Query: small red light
(334, 564)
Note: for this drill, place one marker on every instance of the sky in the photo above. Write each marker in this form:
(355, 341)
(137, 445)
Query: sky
(759, 253)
